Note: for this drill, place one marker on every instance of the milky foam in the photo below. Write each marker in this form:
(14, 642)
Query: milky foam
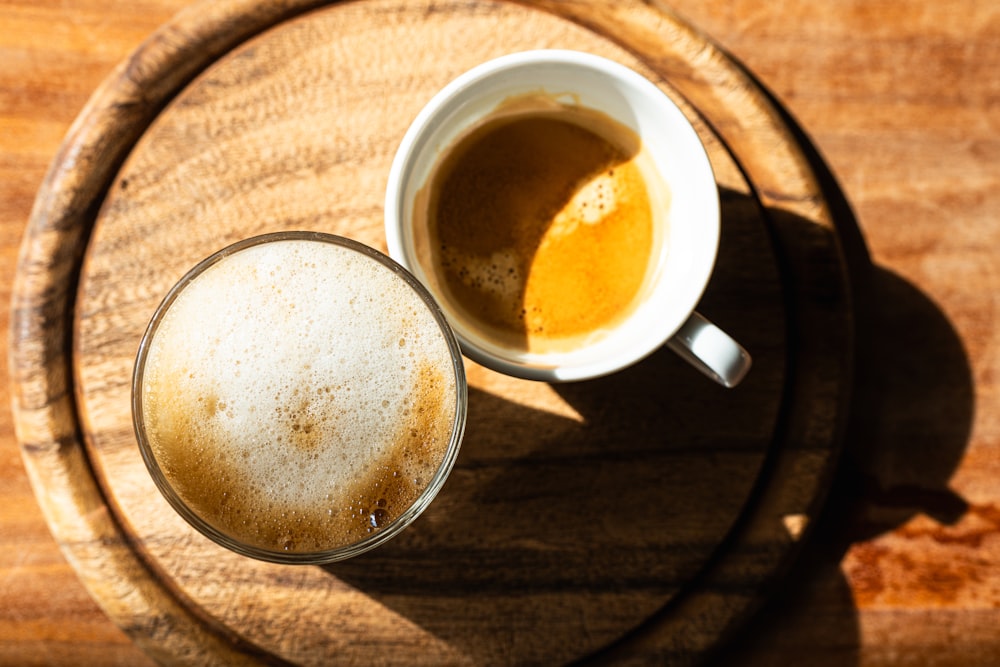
(299, 395)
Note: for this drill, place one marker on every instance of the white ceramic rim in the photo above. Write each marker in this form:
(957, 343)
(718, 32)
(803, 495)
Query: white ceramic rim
(691, 246)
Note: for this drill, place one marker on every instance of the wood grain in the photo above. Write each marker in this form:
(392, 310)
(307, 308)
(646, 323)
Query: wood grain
(903, 570)
(295, 128)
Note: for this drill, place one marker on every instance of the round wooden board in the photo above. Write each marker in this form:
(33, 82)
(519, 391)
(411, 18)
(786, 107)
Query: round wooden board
(637, 517)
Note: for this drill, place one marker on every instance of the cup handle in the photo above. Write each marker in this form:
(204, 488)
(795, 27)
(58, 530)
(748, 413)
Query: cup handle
(711, 350)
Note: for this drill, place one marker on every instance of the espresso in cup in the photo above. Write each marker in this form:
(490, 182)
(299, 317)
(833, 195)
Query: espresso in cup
(543, 222)
(299, 398)
(563, 211)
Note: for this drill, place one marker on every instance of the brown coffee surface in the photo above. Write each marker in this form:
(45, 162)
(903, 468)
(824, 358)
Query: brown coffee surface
(541, 227)
(243, 504)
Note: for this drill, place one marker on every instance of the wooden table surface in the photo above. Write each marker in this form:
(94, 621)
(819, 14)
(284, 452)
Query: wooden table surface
(902, 99)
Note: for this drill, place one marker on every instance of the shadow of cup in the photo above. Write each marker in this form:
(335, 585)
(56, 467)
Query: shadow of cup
(909, 422)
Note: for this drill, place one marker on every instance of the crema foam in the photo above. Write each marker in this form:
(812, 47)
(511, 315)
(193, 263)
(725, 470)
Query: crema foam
(299, 396)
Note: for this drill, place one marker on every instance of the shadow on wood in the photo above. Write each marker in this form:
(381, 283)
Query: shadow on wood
(558, 534)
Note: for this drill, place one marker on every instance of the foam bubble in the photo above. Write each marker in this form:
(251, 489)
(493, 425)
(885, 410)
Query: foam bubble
(596, 200)
(291, 387)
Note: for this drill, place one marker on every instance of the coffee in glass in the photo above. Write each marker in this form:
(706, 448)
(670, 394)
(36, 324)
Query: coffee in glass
(298, 397)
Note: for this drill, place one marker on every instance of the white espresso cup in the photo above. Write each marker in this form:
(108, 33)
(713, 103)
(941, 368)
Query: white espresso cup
(685, 232)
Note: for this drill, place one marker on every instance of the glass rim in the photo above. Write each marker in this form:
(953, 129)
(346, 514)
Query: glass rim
(344, 551)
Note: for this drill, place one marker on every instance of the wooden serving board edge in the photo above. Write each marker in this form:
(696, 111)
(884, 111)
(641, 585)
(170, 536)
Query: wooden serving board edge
(42, 309)
(43, 300)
